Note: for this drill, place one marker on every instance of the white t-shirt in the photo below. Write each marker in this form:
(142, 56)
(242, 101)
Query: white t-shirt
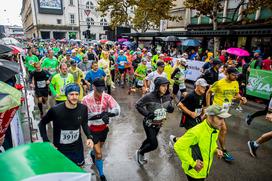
(152, 76)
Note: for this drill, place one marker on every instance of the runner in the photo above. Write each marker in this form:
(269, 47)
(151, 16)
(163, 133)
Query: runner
(254, 145)
(140, 74)
(197, 147)
(104, 64)
(59, 83)
(93, 74)
(30, 60)
(78, 77)
(225, 90)
(192, 107)
(121, 61)
(50, 63)
(67, 119)
(153, 107)
(178, 76)
(39, 80)
(149, 80)
(101, 107)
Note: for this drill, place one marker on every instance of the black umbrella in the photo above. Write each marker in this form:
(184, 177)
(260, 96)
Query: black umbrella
(171, 38)
(4, 49)
(8, 69)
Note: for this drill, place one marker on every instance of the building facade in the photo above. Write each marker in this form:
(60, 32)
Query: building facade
(45, 19)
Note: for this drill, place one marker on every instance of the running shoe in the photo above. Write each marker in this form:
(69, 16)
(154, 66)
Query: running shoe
(248, 119)
(140, 158)
(227, 156)
(92, 156)
(252, 148)
(239, 109)
(172, 141)
(103, 178)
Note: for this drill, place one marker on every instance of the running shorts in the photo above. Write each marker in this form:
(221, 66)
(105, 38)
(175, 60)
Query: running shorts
(176, 89)
(76, 156)
(121, 71)
(41, 92)
(100, 136)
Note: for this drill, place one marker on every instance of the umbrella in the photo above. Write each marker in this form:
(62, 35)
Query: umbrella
(4, 49)
(127, 43)
(8, 69)
(171, 38)
(110, 43)
(103, 41)
(9, 97)
(238, 52)
(122, 40)
(191, 43)
(16, 50)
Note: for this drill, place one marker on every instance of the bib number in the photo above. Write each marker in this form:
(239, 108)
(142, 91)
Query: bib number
(41, 84)
(160, 114)
(198, 111)
(140, 83)
(226, 106)
(69, 136)
(122, 63)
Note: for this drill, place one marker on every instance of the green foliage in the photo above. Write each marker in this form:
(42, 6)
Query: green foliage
(147, 13)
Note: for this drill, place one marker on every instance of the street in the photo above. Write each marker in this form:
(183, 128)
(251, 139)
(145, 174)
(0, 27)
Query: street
(127, 133)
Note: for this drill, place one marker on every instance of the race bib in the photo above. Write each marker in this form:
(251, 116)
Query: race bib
(41, 84)
(122, 63)
(69, 136)
(160, 114)
(226, 105)
(140, 83)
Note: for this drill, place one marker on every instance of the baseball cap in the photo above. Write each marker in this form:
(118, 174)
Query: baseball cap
(160, 64)
(233, 70)
(216, 62)
(202, 82)
(73, 62)
(99, 84)
(215, 110)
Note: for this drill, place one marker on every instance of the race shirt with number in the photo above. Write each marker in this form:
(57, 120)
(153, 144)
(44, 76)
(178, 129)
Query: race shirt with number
(40, 79)
(121, 61)
(152, 76)
(141, 70)
(67, 124)
(58, 85)
(224, 91)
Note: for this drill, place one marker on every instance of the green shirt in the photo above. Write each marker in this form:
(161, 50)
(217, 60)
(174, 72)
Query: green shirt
(29, 62)
(58, 85)
(56, 50)
(142, 70)
(51, 65)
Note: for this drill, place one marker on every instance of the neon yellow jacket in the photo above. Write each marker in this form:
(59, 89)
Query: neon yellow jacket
(58, 85)
(203, 135)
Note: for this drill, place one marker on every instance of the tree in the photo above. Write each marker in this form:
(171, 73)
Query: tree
(147, 13)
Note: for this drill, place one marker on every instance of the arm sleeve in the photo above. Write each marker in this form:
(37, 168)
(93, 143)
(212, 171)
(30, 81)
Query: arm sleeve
(51, 86)
(140, 106)
(114, 107)
(42, 125)
(182, 148)
(84, 124)
(30, 77)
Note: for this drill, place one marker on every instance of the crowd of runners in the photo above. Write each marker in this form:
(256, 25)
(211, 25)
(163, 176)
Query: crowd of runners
(73, 84)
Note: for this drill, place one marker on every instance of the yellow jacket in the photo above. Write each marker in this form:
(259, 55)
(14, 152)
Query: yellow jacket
(203, 135)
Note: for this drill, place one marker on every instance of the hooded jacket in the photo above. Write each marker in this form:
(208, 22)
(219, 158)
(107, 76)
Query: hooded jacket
(153, 103)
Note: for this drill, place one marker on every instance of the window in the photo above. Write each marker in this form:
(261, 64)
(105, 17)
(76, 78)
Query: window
(58, 21)
(71, 3)
(90, 21)
(103, 22)
(89, 5)
(72, 19)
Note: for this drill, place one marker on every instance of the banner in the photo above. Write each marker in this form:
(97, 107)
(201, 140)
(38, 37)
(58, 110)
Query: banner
(259, 83)
(5, 119)
(194, 69)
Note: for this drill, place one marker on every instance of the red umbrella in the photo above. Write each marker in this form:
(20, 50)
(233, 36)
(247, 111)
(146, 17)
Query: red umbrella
(238, 52)
(16, 50)
(103, 41)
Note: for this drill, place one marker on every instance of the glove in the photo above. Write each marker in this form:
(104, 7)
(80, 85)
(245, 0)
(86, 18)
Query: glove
(105, 118)
(170, 109)
(150, 116)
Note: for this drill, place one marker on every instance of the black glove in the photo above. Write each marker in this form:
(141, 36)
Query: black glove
(150, 116)
(170, 109)
(105, 118)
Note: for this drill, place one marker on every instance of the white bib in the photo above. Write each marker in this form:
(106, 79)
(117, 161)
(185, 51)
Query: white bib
(41, 84)
(160, 114)
(140, 83)
(69, 136)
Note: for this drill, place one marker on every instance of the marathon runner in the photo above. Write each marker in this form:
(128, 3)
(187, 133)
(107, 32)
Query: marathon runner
(197, 147)
(140, 74)
(68, 118)
(50, 63)
(93, 74)
(39, 80)
(30, 60)
(101, 106)
(78, 77)
(121, 61)
(153, 107)
(59, 83)
(225, 90)
(149, 80)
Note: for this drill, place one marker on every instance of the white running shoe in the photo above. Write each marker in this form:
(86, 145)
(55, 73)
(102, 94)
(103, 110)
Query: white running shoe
(140, 158)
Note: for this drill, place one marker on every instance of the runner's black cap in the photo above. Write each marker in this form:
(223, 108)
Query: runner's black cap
(99, 84)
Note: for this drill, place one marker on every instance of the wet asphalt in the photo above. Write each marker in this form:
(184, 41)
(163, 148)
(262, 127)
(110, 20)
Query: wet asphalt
(126, 135)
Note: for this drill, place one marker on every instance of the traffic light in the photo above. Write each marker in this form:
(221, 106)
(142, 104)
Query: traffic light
(88, 34)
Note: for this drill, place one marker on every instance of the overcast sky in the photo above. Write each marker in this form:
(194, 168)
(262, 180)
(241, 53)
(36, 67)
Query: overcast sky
(10, 12)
